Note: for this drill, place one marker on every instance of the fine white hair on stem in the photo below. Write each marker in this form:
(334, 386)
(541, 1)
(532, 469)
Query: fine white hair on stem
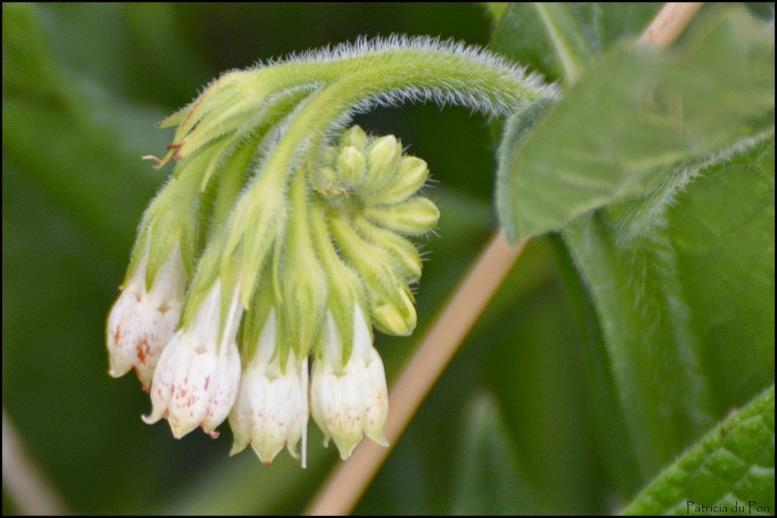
(363, 45)
(433, 47)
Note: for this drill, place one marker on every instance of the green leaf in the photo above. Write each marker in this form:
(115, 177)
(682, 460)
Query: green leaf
(722, 231)
(634, 117)
(488, 480)
(495, 9)
(732, 466)
(612, 434)
(662, 276)
(547, 36)
(561, 40)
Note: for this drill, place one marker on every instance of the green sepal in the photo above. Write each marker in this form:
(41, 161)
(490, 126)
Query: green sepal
(412, 175)
(176, 118)
(405, 254)
(137, 255)
(344, 287)
(414, 216)
(271, 113)
(205, 276)
(256, 317)
(303, 282)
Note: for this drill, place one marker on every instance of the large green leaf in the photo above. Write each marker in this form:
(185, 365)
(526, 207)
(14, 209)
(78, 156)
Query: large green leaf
(634, 116)
(612, 435)
(730, 471)
(659, 274)
(662, 296)
(722, 231)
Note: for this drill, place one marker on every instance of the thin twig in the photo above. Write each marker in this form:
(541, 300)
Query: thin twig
(345, 485)
(29, 490)
(669, 23)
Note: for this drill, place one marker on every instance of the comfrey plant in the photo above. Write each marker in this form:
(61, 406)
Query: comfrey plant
(283, 239)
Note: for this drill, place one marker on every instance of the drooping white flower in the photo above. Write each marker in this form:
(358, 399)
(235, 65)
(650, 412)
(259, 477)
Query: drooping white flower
(271, 410)
(198, 375)
(349, 401)
(142, 322)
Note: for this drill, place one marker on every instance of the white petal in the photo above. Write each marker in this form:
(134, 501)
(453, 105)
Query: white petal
(189, 403)
(240, 419)
(170, 363)
(224, 391)
(376, 399)
(362, 340)
(121, 331)
(141, 324)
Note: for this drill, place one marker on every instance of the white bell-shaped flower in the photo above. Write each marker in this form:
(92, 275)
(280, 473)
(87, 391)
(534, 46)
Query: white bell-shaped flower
(198, 375)
(142, 322)
(351, 400)
(271, 410)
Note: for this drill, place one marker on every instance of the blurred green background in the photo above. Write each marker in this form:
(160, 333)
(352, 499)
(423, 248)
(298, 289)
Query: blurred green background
(510, 427)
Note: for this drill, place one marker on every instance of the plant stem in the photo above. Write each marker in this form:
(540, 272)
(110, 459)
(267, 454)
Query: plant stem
(30, 491)
(669, 23)
(347, 482)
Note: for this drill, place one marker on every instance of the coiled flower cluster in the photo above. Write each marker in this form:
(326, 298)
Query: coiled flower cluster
(281, 240)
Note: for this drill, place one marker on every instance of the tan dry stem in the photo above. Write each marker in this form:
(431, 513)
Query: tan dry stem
(30, 491)
(669, 23)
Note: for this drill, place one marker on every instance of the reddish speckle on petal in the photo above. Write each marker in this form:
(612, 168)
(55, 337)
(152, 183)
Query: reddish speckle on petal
(207, 382)
(142, 349)
(117, 334)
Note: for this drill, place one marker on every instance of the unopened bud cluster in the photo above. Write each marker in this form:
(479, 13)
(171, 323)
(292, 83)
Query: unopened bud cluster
(369, 190)
(252, 298)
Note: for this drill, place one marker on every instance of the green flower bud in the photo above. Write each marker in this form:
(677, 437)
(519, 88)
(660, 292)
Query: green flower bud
(351, 166)
(404, 253)
(383, 156)
(395, 319)
(354, 136)
(412, 175)
(413, 217)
